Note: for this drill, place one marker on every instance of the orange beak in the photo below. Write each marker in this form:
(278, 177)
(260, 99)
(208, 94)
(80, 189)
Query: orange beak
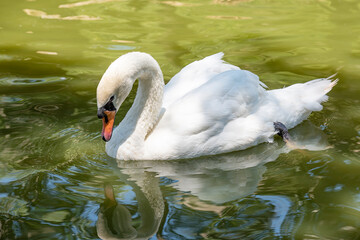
(108, 124)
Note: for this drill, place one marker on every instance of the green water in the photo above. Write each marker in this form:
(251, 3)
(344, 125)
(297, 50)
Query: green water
(53, 166)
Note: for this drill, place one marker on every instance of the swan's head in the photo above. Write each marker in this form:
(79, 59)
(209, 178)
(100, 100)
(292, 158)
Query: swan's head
(114, 86)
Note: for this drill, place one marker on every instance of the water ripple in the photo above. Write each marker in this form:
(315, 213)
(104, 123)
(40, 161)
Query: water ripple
(8, 99)
(30, 81)
(46, 108)
(44, 15)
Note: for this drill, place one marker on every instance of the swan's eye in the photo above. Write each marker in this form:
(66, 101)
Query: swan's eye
(112, 98)
(109, 106)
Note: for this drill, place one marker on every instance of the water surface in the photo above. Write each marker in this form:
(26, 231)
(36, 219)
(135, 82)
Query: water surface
(53, 167)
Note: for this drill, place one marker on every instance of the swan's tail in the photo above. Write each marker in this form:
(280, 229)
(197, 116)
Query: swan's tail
(313, 93)
(299, 100)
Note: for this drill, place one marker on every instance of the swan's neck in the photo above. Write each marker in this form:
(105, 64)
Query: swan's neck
(145, 111)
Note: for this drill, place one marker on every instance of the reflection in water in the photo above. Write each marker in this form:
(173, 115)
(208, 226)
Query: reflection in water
(84, 3)
(44, 15)
(227, 177)
(122, 41)
(47, 53)
(114, 219)
(215, 179)
(281, 209)
(179, 4)
(229, 17)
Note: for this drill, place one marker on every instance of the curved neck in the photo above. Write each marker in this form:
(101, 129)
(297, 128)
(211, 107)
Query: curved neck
(145, 111)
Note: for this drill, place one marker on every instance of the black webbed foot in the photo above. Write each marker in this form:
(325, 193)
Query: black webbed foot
(282, 131)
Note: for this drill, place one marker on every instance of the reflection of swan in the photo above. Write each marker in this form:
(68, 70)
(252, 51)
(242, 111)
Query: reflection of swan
(227, 177)
(215, 179)
(114, 220)
(209, 108)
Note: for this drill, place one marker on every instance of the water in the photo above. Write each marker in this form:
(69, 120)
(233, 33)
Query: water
(53, 167)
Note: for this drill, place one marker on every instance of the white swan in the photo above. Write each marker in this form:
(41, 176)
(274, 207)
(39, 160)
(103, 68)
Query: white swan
(209, 107)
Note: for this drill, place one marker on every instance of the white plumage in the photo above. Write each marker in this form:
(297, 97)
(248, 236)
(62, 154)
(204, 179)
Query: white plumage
(209, 107)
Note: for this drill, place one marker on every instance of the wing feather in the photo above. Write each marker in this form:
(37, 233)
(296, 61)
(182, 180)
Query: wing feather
(208, 111)
(194, 75)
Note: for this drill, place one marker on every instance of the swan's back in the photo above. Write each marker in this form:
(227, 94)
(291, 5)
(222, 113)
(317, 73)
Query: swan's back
(194, 75)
